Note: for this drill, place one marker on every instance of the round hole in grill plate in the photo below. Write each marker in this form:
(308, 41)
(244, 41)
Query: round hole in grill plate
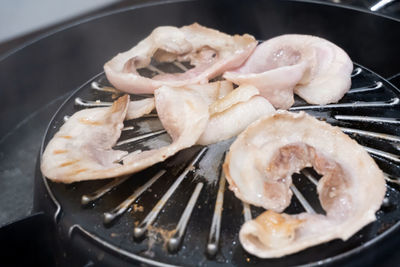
(180, 212)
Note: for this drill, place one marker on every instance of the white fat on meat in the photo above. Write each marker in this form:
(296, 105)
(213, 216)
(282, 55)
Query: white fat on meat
(210, 52)
(82, 148)
(313, 68)
(139, 108)
(230, 115)
(213, 91)
(259, 167)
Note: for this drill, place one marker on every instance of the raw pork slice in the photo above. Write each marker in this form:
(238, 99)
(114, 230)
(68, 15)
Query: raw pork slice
(314, 68)
(82, 148)
(259, 167)
(210, 51)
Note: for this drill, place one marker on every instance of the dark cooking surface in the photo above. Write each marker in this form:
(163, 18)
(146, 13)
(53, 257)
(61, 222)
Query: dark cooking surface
(34, 81)
(120, 232)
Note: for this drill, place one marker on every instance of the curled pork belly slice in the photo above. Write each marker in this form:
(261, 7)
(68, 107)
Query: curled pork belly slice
(210, 52)
(313, 68)
(231, 114)
(82, 148)
(259, 167)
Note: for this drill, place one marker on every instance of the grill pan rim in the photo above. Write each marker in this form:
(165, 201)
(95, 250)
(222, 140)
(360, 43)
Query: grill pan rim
(359, 9)
(166, 2)
(132, 256)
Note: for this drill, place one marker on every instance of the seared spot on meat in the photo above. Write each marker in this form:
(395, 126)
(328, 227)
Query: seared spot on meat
(68, 163)
(118, 105)
(279, 229)
(78, 171)
(59, 151)
(89, 122)
(232, 185)
(65, 136)
(190, 104)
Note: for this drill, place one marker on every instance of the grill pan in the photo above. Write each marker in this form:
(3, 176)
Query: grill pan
(82, 238)
(179, 212)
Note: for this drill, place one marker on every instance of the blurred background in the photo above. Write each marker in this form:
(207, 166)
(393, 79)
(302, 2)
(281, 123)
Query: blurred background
(23, 20)
(22, 17)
